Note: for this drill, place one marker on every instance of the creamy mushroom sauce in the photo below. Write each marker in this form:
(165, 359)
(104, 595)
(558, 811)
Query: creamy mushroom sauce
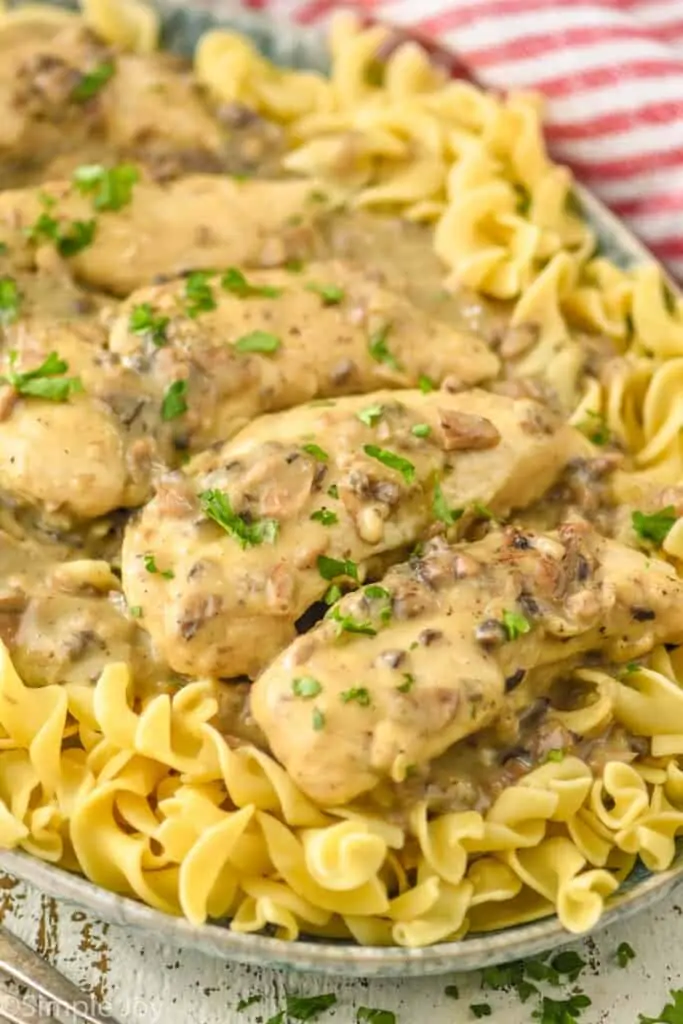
(68, 489)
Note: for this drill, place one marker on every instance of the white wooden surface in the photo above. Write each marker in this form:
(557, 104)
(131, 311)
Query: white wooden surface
(140, 981)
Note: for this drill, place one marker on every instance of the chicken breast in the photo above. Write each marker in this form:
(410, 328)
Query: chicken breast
(161, 231)
(446, 640)
(244, 344)
(62, 91)
(79, 435)
(64, 621)
(256, 530)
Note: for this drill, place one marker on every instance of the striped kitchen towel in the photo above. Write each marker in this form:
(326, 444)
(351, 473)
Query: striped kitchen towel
(612, 71)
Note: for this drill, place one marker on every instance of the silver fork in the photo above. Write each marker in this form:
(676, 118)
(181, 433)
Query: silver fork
(54, 992)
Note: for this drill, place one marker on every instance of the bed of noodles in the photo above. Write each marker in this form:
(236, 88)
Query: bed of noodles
(149, 799)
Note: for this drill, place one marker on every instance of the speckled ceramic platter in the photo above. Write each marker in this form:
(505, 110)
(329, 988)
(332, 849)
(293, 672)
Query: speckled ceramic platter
(293, 46)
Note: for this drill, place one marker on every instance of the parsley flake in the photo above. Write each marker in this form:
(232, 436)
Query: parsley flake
(199, 297)
(332, 568)
(143, 320)
(249, 1001)
(357, 694)
(625, 952)
(515, 624)
(151, 566)
(595, 428)
(368, 1015)
(333, 491)
(47, 381)
(370, 416)
(235, 282)
(318, 453)
(258, 341)
(92, 82)
(561, 1011)
(309, 1007)
(216, 505)
(174, 404)
(331, 294)
(325, 517)
(407, 684)
(332, 594)
(379, 350)
(318, 719)
(452, 991)
(421, 430)
(112, 188)
(481, 1010)
(135, 611)
(425, 384)
(654, 527)
(347, 624)
(392, 461)
(441, 511)
(306, 687)
(9, 301)
(556, 755)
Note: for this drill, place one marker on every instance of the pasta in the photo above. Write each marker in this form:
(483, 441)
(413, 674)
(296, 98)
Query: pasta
(138, 787)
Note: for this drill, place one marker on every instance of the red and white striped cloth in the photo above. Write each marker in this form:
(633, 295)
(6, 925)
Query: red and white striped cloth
(612, 71)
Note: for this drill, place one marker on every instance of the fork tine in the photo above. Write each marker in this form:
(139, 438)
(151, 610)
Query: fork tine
(26, 967)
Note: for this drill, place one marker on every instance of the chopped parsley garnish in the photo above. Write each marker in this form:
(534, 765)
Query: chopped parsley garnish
(392, 461)
(333, 568)
(379, 350)
(630, 667)
(199, 297)
(569, 964)
(407, 684)
(333, 491)
(318, 453)
(625, 953)
(515, 624)
(452, 991)
(331, 294)
(258, 341)
(4, 248)
(481, 1010)
(332, 594)
(672, 1012)
(46, 381)
(347, 624)
(68, 240)
(216, 505)
(561, 1011)
(654, 527)
(111, 189)
(174, 404)
(377, 593)
(249, 1001)
(425, 384)
(441, 511)
(595, 428)
(309, 1007)
(277, 1018)
(92, 81)
(483, 511)
(556, 755)
(357, 694)
(235, 282)
(306, 687)
(150, 564)
(371, 415)
(135, 611)
(318, 720)
(9, 301)
(368, 1015)
(143, 320)
(324, 516)
(421, 430)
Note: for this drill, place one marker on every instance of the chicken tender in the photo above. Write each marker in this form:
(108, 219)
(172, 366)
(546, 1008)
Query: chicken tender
(244, 344)
(161, 231)
(63, 92)
(79, 435)
(230, 553)
(447, 640)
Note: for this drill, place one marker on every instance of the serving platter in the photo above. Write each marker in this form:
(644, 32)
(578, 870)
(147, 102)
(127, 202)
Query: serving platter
(294, 46)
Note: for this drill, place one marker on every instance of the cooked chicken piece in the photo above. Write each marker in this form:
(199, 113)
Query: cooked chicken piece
(449, 638)
(273, 339)
(64, 90)
(164, 230)
(88, 446)
(349, 481)
(63, 621)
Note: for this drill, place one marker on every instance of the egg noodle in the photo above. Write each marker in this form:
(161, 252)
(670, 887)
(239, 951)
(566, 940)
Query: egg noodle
(145, 797)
